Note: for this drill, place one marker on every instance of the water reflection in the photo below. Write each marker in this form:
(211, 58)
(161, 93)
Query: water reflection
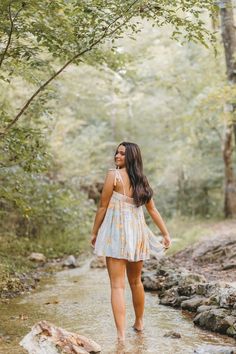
(135, 345)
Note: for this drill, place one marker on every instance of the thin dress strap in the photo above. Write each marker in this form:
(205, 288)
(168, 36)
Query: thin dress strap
(119, 178)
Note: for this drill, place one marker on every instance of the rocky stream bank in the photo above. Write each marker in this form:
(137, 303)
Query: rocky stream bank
(200, 279)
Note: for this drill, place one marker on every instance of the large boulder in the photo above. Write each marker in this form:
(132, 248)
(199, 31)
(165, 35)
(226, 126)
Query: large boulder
(45, 338)
(193, 303)
(217, 320)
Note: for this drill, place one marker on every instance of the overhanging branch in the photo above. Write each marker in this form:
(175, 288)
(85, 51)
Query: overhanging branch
(105, 34)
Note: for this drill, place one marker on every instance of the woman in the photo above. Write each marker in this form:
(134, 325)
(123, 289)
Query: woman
(120, 232)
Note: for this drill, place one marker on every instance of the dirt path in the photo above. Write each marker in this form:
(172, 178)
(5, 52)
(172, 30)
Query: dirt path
(214, 255)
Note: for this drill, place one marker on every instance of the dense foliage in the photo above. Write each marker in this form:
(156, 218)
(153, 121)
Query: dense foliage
(57, 137)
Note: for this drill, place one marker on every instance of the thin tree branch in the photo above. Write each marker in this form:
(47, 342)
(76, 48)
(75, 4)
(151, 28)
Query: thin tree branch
(105, 34)
(11, 31)
(215, 129)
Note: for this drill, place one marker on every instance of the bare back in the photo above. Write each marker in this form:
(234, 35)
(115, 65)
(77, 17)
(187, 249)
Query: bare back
(122, 183)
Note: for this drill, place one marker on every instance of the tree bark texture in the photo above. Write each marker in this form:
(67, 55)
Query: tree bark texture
(228, 33)
(230, 185)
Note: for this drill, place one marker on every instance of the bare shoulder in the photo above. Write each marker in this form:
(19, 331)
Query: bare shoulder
(111, 171)
(110, 174)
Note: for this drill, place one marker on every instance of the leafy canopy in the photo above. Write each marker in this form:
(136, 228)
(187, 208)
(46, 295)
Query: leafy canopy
(67, 28)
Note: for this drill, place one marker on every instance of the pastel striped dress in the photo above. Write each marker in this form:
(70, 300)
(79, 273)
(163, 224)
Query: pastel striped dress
(124, 233)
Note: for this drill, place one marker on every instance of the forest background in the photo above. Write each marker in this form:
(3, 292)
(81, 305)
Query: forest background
(77, 79)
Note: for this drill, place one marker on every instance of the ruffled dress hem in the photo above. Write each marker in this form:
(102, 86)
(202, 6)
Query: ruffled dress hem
(120, 257)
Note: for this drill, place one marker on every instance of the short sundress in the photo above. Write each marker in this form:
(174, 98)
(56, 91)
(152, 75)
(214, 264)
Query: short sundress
(124, 233)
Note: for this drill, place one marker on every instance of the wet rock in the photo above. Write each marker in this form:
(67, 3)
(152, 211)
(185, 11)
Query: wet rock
(227, 297)
(217, 320)
(166, 270)
(44, 337)
(70, 262)
(215, 349)
(171, 297)
(166, 277)
(207, 289)
(193, 303)
(200, 289)
(151, 282)
(168, 297)
(231, 331)
(206, 308)
(172, 334)
(191, 278)
(153, 264)
(181, 288)
(37, 257)
(176, 275)
(187, 290)
(98, 262)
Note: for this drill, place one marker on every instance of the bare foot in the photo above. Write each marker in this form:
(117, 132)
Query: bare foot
(120, 347)
(121, 337)
(138, 325)
(121, 342)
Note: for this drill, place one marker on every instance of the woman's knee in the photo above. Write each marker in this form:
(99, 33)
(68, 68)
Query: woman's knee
(118, 284)
(135, 282)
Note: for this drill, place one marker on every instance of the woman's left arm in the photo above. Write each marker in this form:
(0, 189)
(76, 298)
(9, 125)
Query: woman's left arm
(156, 217)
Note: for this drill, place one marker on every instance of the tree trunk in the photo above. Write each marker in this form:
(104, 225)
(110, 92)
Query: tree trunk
(230, 187)
(229, 40)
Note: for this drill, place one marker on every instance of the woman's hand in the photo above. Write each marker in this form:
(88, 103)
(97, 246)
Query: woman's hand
(166, 241)
(93, 240)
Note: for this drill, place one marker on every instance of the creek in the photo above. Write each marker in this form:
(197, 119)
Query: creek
(79, 301)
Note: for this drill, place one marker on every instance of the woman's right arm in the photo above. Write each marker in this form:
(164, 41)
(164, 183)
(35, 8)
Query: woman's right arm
(103, 204)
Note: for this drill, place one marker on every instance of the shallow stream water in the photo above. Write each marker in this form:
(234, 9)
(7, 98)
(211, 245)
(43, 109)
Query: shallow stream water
(79, 301)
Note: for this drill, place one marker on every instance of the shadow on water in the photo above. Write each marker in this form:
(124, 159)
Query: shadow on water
(79, 301)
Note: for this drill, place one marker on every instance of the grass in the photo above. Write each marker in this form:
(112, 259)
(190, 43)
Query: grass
(14, 253)
(185, 231)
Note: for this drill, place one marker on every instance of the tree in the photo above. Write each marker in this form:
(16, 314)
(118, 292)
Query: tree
(228, 32)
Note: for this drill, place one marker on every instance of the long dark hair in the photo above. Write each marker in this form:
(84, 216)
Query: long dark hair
(142, 192)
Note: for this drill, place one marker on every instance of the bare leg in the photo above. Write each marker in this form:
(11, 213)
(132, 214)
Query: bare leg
(116, 271)
(134, 270)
